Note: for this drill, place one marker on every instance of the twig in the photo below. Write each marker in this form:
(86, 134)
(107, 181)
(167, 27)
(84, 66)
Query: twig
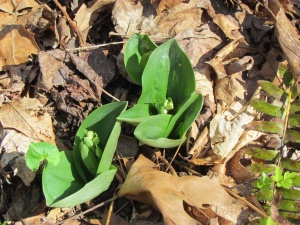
(87, 48)
(72, 24)
(89, 210)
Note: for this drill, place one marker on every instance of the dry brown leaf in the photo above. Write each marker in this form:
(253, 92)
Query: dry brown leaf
(287, 37)
(87, 15)
(168, 194)
(26, 116)
(16, 45)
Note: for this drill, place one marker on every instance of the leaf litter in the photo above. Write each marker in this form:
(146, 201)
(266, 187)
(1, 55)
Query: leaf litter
(46, 92)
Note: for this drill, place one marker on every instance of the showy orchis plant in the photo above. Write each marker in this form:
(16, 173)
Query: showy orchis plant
(168, 104)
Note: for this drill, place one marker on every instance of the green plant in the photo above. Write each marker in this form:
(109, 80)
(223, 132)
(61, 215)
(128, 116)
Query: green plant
(280, 119)
(168, 104)
(73, 177)
(166, 109)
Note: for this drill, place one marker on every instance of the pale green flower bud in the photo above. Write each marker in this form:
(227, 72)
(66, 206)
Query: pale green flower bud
(98, 152)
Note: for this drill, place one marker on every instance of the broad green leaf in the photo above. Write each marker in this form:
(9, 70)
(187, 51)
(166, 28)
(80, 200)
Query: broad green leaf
(61, 180)
(136, 47)
(294, 120)
(153, 132)
(63, 186)
(273, 90)
(267, 127)
(268, 108)
(38, 152)
(185, 116)
(101, 121)
(168, 74)
(295, 106)
(137, 114)
(292, 136)
(264, 154)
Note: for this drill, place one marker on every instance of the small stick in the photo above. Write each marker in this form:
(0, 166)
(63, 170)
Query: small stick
(72, 24)
(86, 48)
(89, 210)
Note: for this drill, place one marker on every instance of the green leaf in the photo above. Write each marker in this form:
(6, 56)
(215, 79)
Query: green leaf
(63, 186)
(168, 74)
(89, 159)
(289, 164)
(135, 55)
(137, 114)
(273, 90)
(185, 116)
(268, 108)
(295, 106)
(294, 120)
(278, 177)
(38, 152)
(264, 154)
(264, 182)
(284, 71)
(153, 132)
(292, 136)
(102, 121)
(267, 127)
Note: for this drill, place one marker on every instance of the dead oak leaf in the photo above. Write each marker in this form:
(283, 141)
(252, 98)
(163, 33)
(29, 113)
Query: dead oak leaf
(170, 194)
(26, 117)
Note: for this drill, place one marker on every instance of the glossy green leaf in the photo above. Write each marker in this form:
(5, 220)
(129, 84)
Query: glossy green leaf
(102, 121)
(137, 114)
(267, 127)
(264, 154)
(63, 186)
(273, 90)
(185, 116)
(38, 152)
(168, 74)
(153, 132)
(136, 47)
(292, 136)
(267, 108)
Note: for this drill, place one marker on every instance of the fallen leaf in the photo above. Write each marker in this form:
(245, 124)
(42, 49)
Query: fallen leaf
(168, 194)
(26, 116)
(224, 134)
(87, 15)
(16, 45)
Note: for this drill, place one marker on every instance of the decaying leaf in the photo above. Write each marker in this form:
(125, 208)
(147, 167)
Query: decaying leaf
(26, 116)
(225, 134)
(173, 195)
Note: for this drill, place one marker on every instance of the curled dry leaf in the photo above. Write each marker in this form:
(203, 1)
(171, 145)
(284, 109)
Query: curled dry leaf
(224, 134)
(173, 195)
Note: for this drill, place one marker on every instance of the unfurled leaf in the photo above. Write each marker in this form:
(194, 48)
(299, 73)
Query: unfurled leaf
(288, 78)
(38, 152)
(291, 165)
(267, 127)
(278, 177)
(268, 108)
(137, 52)
(264, 182)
